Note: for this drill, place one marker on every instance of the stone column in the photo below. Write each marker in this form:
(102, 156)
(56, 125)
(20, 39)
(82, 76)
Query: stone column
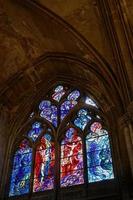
(126, 134)
(4, 121)
(130, 113)
(127, 129)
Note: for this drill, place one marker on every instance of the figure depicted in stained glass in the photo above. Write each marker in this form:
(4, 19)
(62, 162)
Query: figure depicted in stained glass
(21, 172)
(69, 103)
(71, 159)
(49, 112)
(44, 165)
(35, 131)
(82, 119)
(99, 158)
(58, 93)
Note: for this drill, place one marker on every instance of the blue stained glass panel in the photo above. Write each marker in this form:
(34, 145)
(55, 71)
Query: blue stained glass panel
(58, 93)
(97, 143)
(66, 107)
(22, 160)
(69, 103)
(23, 148)
(97, 173)
(49, 112)
(74, 95)
(71, 136)
(82, 119)
(44, 105)
(19, 187)
(98, 133)
(72, 178)
(99, 159)
(35, 131)
(23, 155)
(21, 171)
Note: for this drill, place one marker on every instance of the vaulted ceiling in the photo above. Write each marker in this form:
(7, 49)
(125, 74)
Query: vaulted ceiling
(85, 17)
(43, 41)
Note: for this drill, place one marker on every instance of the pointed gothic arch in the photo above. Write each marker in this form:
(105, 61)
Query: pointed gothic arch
(83, 145)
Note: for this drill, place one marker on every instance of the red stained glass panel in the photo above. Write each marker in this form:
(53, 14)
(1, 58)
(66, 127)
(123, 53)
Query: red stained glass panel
(44, 165)
(71, 159)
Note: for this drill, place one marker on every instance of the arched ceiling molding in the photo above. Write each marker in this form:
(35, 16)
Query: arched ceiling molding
(80, 74)
(100, 71)
(37, 6)
(76, 43)
(93, 56)
(88, 52)
(85, 42)
(93, 53)
(59, 65)
(86, 78)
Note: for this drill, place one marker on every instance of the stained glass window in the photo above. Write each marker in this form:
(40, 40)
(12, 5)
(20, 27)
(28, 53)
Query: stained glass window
(44, 165)
(71, 167)
(74, 95)
(31, 115)
(99, 160)
(82, 119)
(69, 103)
(48, 111)
(96, 127)
(35, 131)
(90, 102)
(21, 172)
(58, 93)
(35, 172)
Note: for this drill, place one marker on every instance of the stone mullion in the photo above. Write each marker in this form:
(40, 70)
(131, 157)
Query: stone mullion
(32, 171)
(124, 164)
(125, 129)
(57, 170)
(85, 167)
